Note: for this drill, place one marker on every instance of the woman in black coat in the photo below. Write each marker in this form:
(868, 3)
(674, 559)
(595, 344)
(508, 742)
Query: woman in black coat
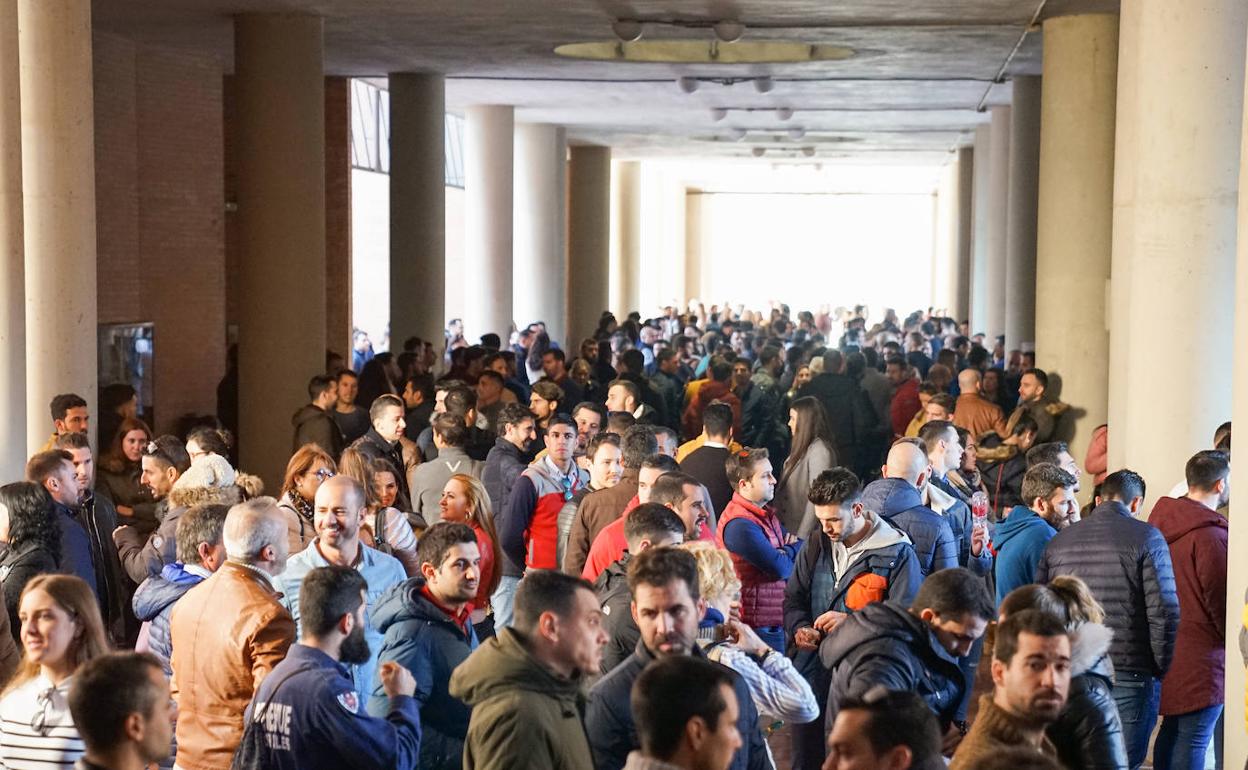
(1088, 733)
(33, 534)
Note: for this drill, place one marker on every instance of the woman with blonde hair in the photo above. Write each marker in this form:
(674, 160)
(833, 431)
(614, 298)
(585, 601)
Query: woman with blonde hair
(776, 686)
(380, 490)
(61, 630)
(465, 500)
(307, 470)
(1088, 733)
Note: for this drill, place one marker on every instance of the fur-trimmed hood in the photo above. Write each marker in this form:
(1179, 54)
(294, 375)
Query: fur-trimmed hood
(1089, 650)
(189, 496)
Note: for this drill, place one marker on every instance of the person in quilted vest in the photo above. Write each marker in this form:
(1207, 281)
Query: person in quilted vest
(762, 550)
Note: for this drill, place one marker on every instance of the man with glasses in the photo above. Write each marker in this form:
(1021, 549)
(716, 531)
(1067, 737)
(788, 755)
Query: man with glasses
(528, 525)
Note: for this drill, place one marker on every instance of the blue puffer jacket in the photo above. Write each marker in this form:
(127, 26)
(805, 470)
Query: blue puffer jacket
(898, 502)
(153, 603)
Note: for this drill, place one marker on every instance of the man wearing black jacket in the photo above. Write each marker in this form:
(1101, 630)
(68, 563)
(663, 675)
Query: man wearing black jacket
(382, 441)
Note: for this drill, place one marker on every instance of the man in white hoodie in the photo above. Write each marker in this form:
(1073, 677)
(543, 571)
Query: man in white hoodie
(856, 559)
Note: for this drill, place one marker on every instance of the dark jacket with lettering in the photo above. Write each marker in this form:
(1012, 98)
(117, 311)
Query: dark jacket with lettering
(422, 638)
(313, 719)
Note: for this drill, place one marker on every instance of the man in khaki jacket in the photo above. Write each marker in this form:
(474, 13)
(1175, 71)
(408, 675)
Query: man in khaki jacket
(228, 633)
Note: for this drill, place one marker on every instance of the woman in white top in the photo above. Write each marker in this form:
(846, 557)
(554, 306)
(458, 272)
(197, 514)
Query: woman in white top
(380, 491)
(61, 630)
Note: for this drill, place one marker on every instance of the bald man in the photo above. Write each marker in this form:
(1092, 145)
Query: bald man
(973, 412)
(897, 499)
(338, 513)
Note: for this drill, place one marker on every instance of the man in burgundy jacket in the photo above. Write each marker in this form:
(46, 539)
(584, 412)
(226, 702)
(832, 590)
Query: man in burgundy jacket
(1192, 690)
(905, 404)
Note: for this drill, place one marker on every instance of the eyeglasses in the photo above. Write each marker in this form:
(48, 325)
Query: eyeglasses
(324, 473)
(39, 722)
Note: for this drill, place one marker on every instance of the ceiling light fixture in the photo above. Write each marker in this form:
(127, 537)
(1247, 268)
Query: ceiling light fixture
(687, 84)
(729, 31)
(628, 30)
(796, 133)
(784, 113)
(764, 85)
(718, 114)
(809, 152)
(758, 152)
(737, 134)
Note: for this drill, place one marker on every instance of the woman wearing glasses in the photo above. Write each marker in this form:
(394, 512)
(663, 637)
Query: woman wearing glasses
(61, 630)
(307, 470)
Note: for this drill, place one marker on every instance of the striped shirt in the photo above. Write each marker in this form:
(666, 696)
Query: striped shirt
(36, 729)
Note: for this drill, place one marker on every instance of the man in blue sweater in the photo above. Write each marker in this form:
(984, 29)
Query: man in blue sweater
(1020, 539)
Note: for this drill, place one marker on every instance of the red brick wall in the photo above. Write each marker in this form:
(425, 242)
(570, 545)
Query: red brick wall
(338, 214)
(159, 211)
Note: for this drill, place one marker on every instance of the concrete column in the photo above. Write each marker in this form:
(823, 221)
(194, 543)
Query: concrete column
(338, 315)
(489, 147)
(541, 254)
(961, 275)
(58, 180)
(946, 264)
(625, 280)
(1179, 200)
(12, 267)
(1020, 248)
(697, 277)
(1075, 216)
(417, 207)
(1236, 720)
(998, 198)
(980, 184)
(589, 237)
(280, 97)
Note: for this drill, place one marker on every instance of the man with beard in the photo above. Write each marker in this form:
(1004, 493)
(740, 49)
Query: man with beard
(666, 607)
(427, 626)
(339, 510)
(1031, 678)
(309, 710)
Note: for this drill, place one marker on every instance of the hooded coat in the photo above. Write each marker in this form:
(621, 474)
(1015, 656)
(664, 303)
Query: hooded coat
(1088, 733)
(1197, 537)
(1019, 542)
(153, 603)
(885, 644)
(422, 638)
(899, 503)
(524, 716)
(143, 559)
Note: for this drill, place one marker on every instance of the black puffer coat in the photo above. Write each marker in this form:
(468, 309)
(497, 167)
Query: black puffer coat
(1126, 563)
(1088, 734)
(884, 644)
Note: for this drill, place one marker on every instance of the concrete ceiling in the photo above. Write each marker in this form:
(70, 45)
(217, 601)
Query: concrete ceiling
(908, 96)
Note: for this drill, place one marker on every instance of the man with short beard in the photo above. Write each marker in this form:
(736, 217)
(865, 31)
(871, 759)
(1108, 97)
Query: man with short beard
(1031, 678)
(339, 510)
(666, 607)
(308, 708)
(427, 623)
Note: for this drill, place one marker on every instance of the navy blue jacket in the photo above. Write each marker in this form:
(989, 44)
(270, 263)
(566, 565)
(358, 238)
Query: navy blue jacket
(423, 639)
(898, 503)
(313, 719)
(153, 603)
(609, 718)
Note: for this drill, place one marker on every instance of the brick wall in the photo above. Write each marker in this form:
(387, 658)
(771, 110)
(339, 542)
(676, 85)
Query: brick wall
(338, 214)
(159, 211)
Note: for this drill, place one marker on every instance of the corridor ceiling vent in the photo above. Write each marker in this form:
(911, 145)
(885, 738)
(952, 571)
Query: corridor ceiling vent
(704, 51)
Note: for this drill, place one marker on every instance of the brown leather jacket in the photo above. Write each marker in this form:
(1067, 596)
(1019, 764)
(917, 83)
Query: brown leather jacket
(228, 633)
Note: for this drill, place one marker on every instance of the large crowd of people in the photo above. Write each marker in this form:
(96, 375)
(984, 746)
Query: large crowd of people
(705, 540)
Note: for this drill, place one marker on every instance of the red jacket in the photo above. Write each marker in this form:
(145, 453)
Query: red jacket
(1197, 538)
(905, 406)
(762, 592)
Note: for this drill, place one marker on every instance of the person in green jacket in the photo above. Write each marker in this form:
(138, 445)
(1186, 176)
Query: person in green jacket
(526, 685)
